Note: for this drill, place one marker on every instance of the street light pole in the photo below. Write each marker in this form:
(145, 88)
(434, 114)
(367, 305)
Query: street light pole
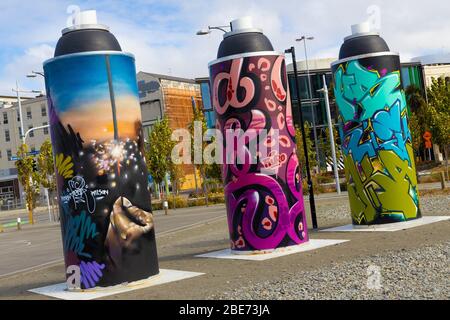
(330, 128)
(31, 130)
(22, 135)
(305, 148)
(19, 104)
(203, 32)
(316, 144)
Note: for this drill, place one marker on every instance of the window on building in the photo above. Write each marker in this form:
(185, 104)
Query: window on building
(0, 154)
(18, 115)
(7, 136)
(20, 131)
(45, 129)
(29, 115)
(5, 118)
(31, 134)
(9, 154)
(43, 110)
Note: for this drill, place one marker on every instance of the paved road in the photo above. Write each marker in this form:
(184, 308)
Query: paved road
(41, 214)
(41, 244)
(177, 250)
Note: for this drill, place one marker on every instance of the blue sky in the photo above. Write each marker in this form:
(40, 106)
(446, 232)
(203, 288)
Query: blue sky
(162, 33)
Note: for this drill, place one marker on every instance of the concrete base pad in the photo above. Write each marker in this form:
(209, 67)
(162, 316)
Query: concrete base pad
(60, 291)
(313, 244)
(397, 226)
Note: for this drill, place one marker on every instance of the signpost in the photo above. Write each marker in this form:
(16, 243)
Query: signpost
(428, 144)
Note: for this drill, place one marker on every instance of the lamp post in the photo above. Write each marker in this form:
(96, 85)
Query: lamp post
(23, 135)
(206, 31)
(34, 74)
(324, 90)
(316, 144)
(19, 104)
(305, 148)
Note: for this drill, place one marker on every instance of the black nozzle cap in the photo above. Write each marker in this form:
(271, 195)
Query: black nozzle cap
(364, 44)
(84, 40)
(244, 42)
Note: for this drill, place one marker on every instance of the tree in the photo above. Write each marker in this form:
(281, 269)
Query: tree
(420, 116)
(198, 148)
(414, 98)
(439, 109)
(158, 154)
(46, 166)
(29, 178)
(309, 146)
(177, 176)
(416, 130)
(46, 170)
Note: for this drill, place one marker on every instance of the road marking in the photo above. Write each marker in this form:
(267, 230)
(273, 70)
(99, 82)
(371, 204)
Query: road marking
(32, 269)
(197, 224)
(55, 262)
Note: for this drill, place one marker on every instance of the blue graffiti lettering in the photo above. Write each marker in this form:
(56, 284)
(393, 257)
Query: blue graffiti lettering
(78, 229)
(389, 127)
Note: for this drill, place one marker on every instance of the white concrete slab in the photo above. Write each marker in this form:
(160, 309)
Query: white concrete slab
(313, 244)
(60, 291)
(397, 226)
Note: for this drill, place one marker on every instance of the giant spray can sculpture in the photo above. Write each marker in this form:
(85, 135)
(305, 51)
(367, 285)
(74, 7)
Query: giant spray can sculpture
(95, 118)
(261, 171)
(376, 141)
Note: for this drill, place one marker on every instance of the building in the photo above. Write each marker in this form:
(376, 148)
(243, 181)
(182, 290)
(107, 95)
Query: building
(174, 97)
(34, 112)
(412, 73)
(8, 101)
(208, 109)
(160, 95)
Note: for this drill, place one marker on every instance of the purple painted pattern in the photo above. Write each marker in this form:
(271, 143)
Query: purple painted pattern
(264, 199)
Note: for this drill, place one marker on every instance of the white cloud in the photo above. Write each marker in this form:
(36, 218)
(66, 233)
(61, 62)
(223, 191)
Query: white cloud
(162, 33)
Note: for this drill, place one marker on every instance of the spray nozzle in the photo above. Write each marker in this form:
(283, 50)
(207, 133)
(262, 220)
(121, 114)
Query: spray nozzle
(363, 27)
(242, 25)
(85, 17)
(83, 20)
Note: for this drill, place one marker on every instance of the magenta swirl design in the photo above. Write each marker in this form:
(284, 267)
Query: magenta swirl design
(264, 198)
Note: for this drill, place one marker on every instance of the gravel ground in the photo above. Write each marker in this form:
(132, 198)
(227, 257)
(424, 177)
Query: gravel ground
(340, 212)
(422, 273)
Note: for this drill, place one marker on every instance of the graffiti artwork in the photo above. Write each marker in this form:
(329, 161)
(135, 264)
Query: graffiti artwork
(106, 215)
(263, 189)
(376, 143)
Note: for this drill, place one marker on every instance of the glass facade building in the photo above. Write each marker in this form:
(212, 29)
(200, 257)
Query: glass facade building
(411, 74)
(208, 110)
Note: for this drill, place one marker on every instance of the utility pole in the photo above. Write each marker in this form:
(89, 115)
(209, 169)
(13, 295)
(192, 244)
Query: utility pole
(305, 148)
(313, 114)
(330, 128)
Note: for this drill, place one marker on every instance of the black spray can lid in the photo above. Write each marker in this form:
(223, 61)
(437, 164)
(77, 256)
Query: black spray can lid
(86, 35)
(363, 43)
(369, 49)
(243, 38)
